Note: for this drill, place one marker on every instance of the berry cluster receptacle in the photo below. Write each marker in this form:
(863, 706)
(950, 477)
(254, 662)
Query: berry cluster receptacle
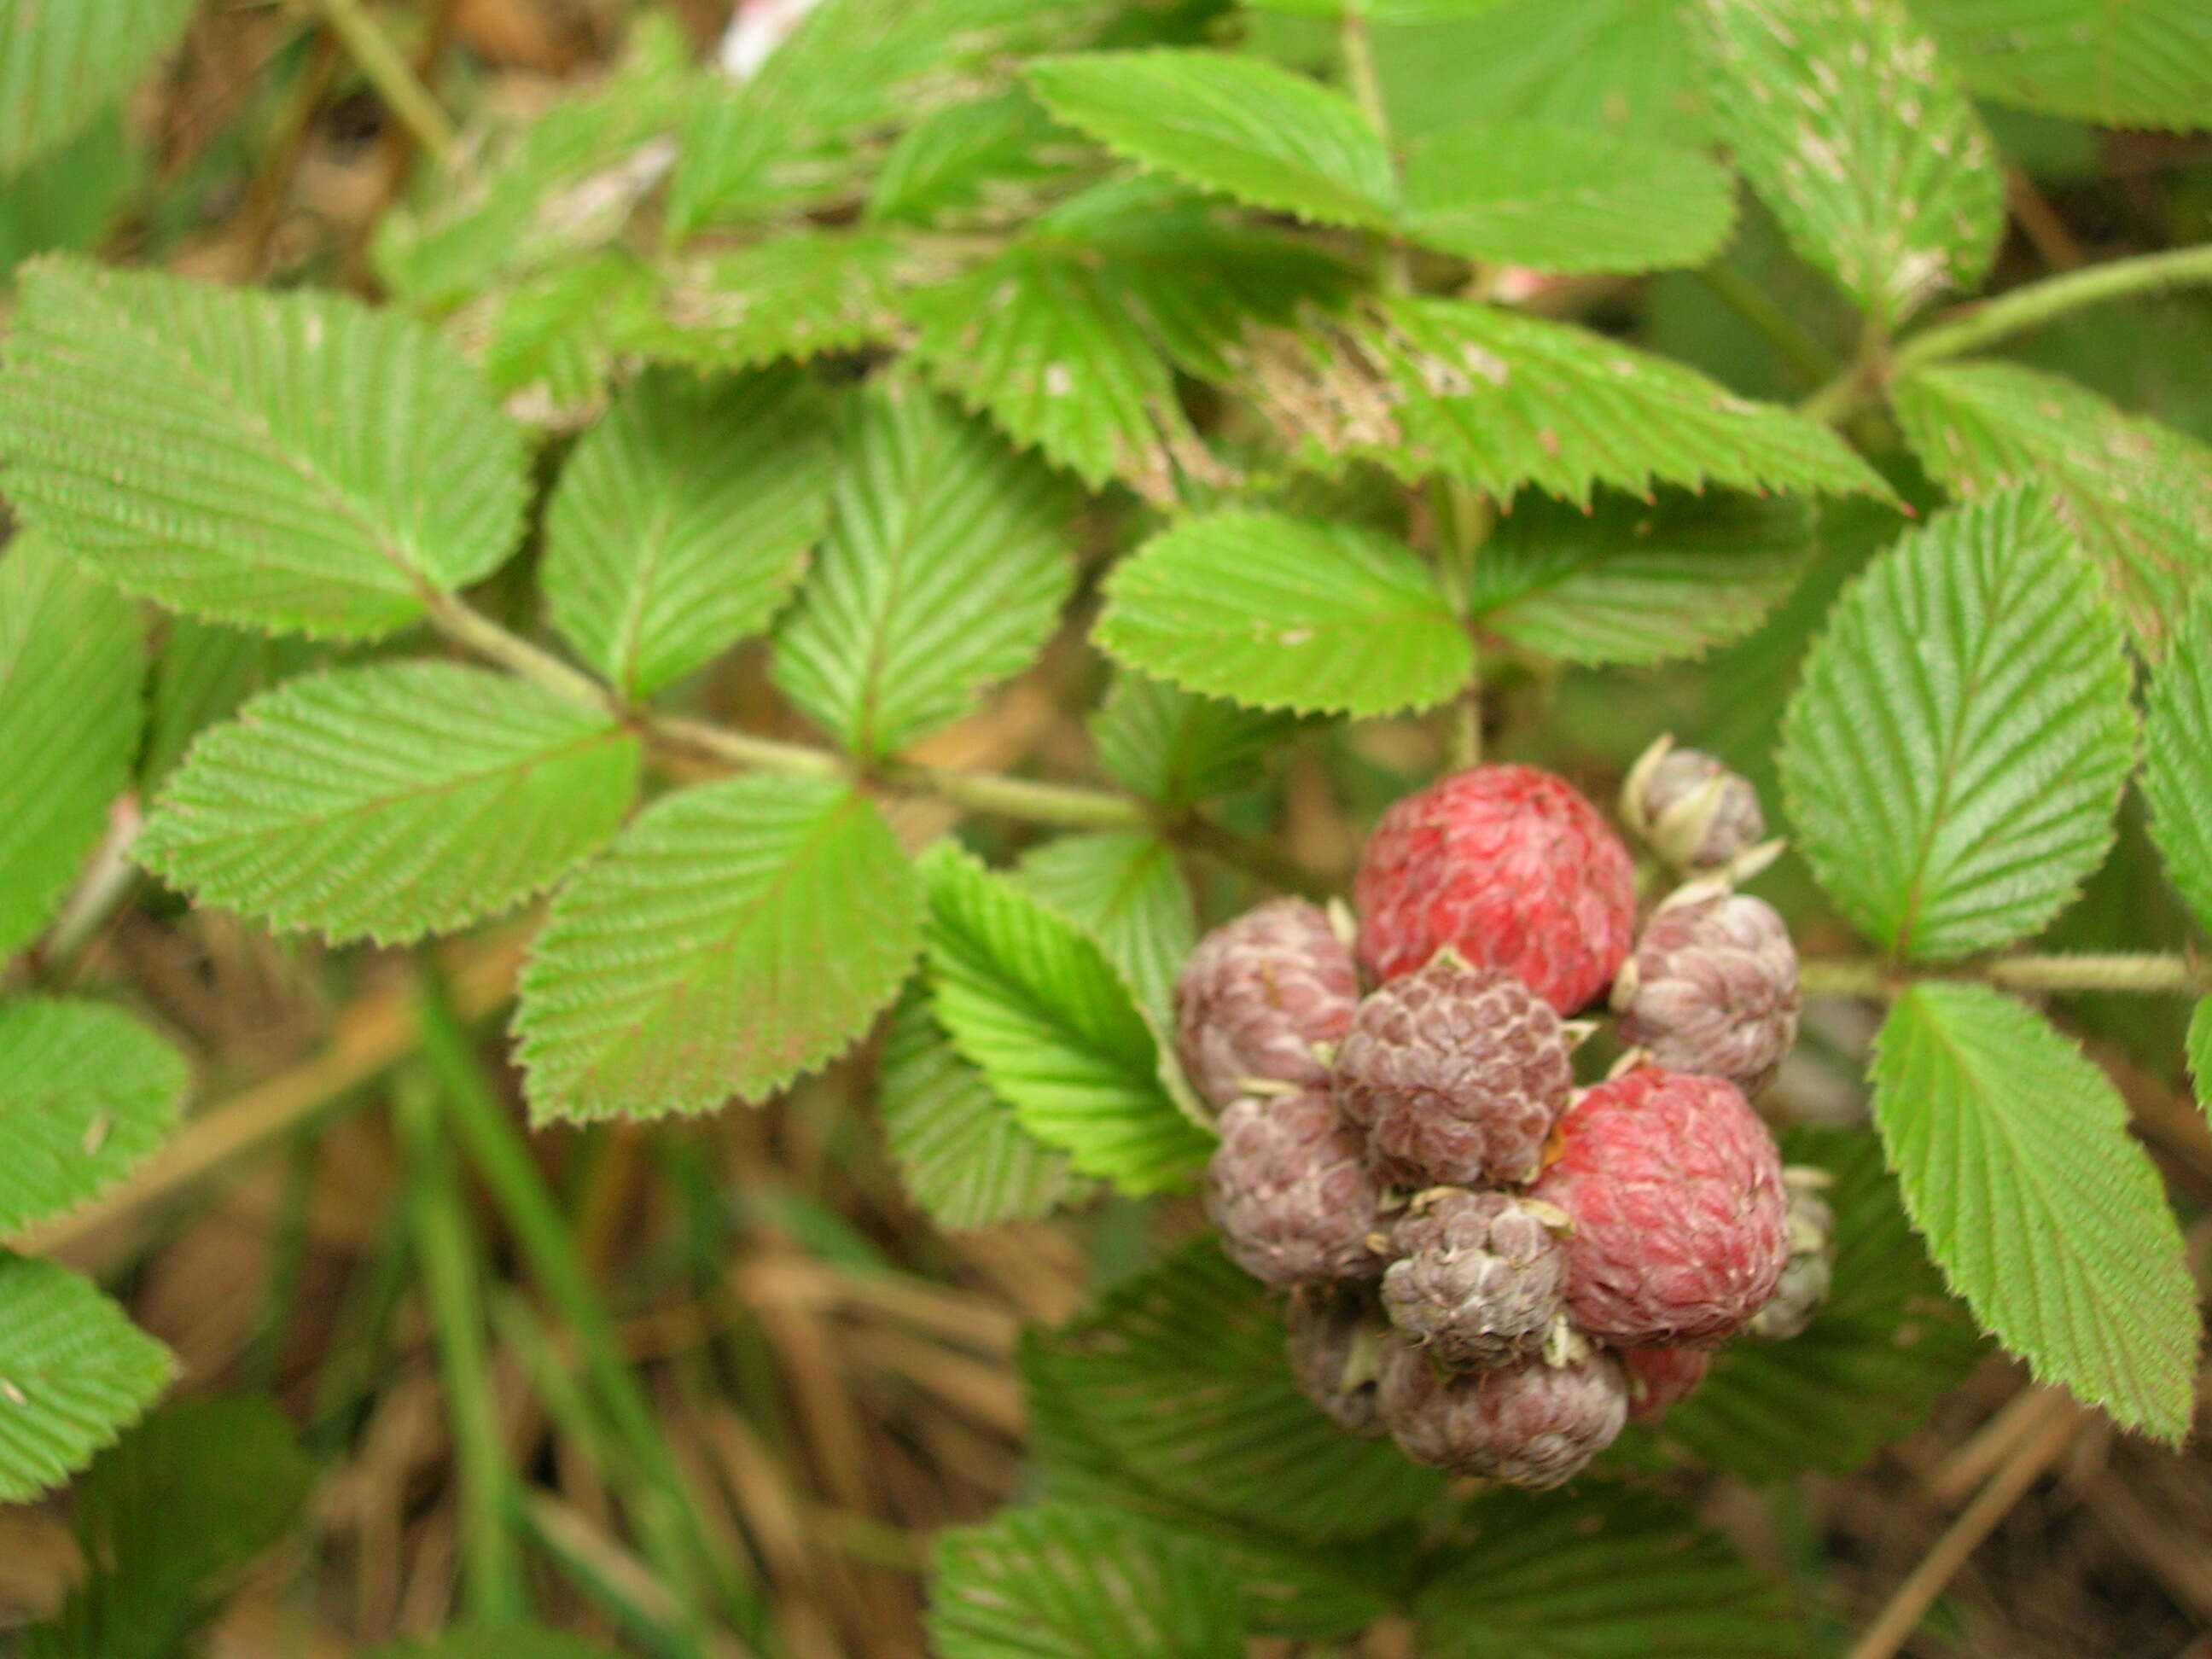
(1497, 1271)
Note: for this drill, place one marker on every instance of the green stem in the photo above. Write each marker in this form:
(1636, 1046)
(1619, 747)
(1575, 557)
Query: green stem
(543, 1235)
(386, 67)
(1773, 323)
(2145, 974)
(1357, 47)
(451, 1285)
(1968, 328)
(1020, 798)
(453, 617)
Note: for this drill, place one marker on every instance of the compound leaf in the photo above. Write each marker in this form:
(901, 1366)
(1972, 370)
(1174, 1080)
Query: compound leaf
(1281, 612)
(389, 801)
(70, 666)
(1036, 1007)
(86, 1092)
(74, 1373)
(2137, 493)
(2017, 1164)
(292, 461)
(738, 933)
(683, 520)
(1856, 134)
(948, 559)
(1955, 753)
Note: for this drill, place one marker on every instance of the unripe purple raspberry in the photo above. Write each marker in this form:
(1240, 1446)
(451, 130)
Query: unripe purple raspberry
(1660, 1378)
(1291, 1193)
(1335, 1346)
(1257, 996)
(1479, 1279)
(1456, 1074)
(1690, 809)
(1527, 1424)
(1802, 1290)
(1712, 990)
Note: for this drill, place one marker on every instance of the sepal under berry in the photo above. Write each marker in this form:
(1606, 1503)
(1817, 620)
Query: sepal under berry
(1690, 809)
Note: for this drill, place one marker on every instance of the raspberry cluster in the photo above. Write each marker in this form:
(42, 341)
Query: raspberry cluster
(1492, 1267)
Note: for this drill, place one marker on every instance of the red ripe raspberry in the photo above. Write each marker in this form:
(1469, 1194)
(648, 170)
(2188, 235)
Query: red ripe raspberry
(1675, 1190)
(1291, 1193)
(1528, 1424)
(1257, 995)
(1690, 809)
(1479, 1280)
(1712, 989)
(1660, 1377)
(1335, 1344)
(1511, 868)
(1456, 1074)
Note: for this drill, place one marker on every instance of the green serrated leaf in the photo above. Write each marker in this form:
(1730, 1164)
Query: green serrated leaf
(390, 801)
(2014, 1159)
(70, 666)
(553, 341)
(1498, 400)
(1181, 1375)
(961, 1151)
(168, 1520)
(1954, 755)
(1064, 1581)
(1636, 581)
(2176, 778)
(1068, 339)
(1125, 888)
(1035, 1006)
(961, 165)
(1888, 1344)
(2136, 493)
(1177, 748)
(1279, 612)
(204, 673)
(62, 65)
(86, 1092)
(186, 442)
(683, 520)
(74, 1373)
(1854, 133)
(1609, 1573)
(794, 296)
(1257, 133)
(947, 563)
(1564, 198)
(2139, 64)
(738, 934)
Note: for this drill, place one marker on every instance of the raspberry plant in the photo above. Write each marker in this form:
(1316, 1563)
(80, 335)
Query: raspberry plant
(716, 444)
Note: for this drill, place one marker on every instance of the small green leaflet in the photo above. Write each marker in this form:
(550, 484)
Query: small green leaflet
(1036, 1006)
(2176, 778)
(1619, 66)
(1604, 1571)
(948, 560)
(959, 165)
(683, 518)
(1063, 1581)
(390, 801)
(1257, 133)
(62, 64)
(181, 439)
(2138, 494)
(1955, 753)
(1498, 400)
(70, 666)
(2135, 64)
(1279, 612)
(738, 934)
(794, 296)
(1176, 748)
(1639, 582)
(1564, 198)
(1888, 1344)
(1854, 132)
(1125, 888)
(85, 1092)
(73, 1372)
(2017, 1167)
(1180, 1376)
(1069, 338)
(961, 1151)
